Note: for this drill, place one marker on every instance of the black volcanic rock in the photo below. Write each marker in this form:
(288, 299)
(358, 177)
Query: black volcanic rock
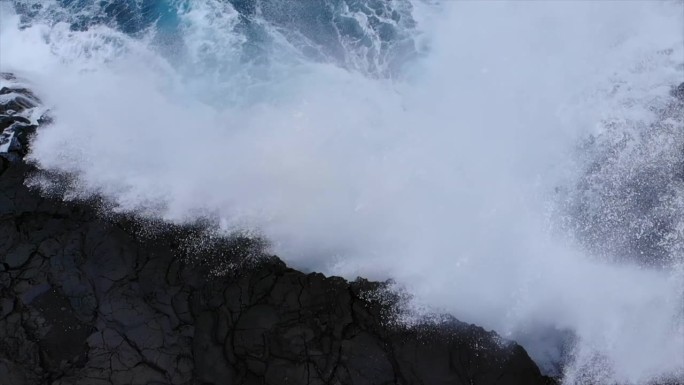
(93, 300)
(16, 104)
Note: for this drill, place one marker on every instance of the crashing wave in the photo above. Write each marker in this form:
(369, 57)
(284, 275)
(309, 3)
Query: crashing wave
(536, 144)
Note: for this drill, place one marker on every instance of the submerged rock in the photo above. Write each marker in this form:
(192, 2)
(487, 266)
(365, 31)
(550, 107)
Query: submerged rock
(87, 299)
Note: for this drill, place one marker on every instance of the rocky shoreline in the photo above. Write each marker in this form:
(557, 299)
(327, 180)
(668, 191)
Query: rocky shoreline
(93, 299)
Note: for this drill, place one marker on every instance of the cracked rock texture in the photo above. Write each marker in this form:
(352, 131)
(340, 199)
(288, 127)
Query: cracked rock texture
(87, 299)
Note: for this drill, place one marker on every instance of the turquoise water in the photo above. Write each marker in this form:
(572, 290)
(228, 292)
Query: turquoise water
(373, 36)
(130, 16)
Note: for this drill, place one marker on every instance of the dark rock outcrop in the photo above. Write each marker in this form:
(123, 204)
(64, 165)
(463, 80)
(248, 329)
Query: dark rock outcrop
(94, 300)
(16, 105)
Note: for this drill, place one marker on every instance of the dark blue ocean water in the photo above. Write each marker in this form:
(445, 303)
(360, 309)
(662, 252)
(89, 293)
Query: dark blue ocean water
(325, 30)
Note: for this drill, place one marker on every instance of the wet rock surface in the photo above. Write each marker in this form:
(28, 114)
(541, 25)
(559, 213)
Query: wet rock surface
(16, 109)
(90, 299)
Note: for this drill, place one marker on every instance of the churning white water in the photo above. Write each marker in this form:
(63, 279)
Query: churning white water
(452, 170)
